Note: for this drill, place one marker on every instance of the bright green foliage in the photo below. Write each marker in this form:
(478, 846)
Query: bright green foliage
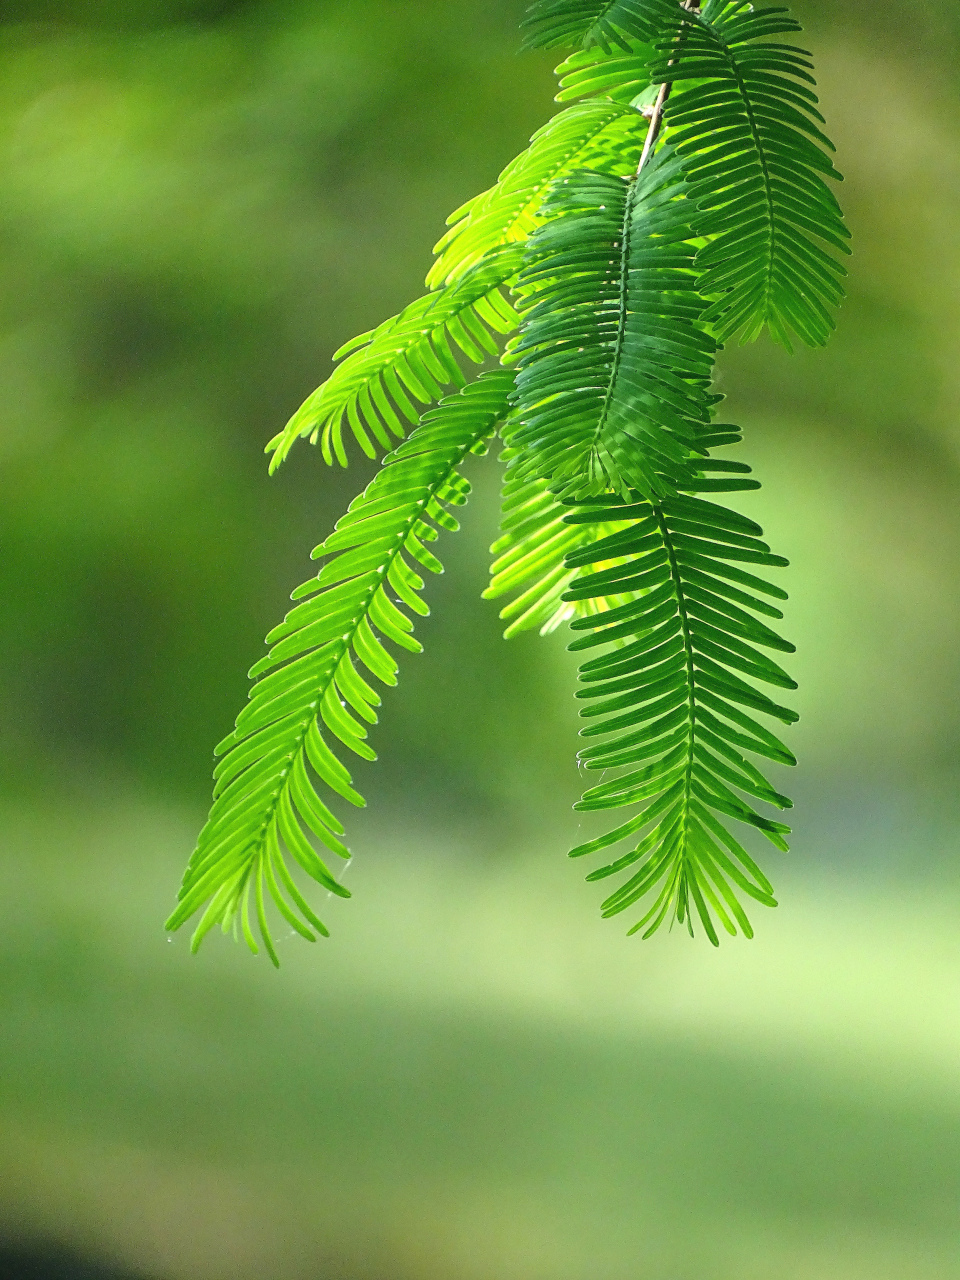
(671, 689)
(407, 359)
(598, 134)
(531, 557)
(634, 238)
(623, 76)
(744, 121)
(266, 796)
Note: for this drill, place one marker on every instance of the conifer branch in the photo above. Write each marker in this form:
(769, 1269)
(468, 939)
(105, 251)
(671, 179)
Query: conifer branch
(623, 289)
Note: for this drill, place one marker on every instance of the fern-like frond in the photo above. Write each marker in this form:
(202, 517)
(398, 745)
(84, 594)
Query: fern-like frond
(552, 24)
(531, 553)
(671, 691)
(613, 363)
(744, 118)
(622, 74)
(600, 134)
(388, 374)
(309, 688)
(530, 562)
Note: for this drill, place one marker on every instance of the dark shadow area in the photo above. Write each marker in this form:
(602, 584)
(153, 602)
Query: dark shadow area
(39, 1261)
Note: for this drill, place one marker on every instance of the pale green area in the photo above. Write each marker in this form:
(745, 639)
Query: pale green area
(475, 1078)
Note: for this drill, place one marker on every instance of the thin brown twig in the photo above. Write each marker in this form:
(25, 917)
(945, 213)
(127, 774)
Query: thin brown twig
(656, 113)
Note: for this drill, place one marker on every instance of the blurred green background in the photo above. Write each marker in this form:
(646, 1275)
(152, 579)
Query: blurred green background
(475, 1078)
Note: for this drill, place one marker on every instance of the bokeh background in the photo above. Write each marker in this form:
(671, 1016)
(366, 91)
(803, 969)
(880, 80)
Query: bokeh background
(475, 1078)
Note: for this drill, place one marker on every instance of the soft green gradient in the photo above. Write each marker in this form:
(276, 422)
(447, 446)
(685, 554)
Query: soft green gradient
(475, 1078)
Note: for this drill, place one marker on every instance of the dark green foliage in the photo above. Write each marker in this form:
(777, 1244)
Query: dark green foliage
(671, 689)
(634, 240)
(613, 365)
(743, 116)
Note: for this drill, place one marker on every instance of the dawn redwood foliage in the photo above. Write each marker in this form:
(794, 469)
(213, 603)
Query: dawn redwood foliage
(678, 201)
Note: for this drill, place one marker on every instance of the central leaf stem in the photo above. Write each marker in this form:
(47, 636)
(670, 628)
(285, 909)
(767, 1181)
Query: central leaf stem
(688, 656)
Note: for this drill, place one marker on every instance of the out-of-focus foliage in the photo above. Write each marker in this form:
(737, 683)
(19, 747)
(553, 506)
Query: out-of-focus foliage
(196, 205)
(183, 212)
